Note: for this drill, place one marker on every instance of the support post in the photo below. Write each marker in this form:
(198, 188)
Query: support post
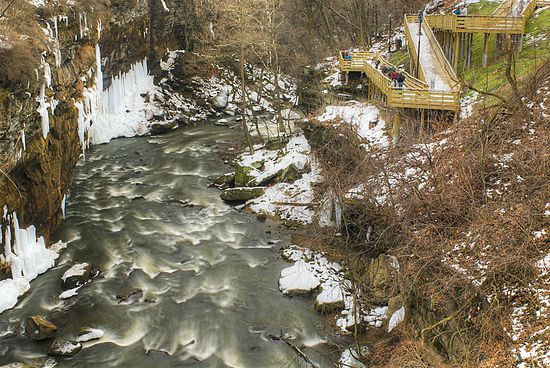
(395, 128)
(485, 47)
(456, 46)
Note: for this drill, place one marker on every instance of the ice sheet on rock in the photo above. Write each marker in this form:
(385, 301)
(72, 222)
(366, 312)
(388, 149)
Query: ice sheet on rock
(297, 279)
(397, 317)
(291, 201)
(28, 259)
(364, 118)
(70, 293)
(331, 293)
(10, 290)
(78, 269)
(92, 334)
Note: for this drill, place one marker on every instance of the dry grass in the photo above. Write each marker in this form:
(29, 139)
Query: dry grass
(460, 211)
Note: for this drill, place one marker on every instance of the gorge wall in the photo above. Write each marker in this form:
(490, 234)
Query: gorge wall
(49, 66)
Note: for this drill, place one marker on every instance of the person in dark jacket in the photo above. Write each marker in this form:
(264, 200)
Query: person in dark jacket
(400, 79)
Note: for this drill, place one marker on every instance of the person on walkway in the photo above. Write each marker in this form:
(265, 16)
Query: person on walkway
(400, 79)
(376, 63)
(394, 76)
(456, 11)
(520, 7)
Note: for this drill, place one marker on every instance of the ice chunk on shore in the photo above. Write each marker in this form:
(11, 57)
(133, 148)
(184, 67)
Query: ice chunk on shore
(298, 279)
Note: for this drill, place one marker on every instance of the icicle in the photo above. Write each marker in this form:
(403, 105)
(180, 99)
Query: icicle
(23, 140)
(43, 111)
(63, 203)
(99, 29)
(55, 27)
(80, 25)
(47, 71)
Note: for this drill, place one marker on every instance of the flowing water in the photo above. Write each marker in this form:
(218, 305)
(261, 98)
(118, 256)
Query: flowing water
(142, 211)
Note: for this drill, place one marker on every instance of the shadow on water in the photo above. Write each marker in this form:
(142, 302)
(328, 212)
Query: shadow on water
(140, 208)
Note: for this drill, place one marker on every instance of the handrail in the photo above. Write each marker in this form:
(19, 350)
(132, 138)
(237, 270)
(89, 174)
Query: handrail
(411, 41)
(505, 8)
(477, 23)
(415, 93)
(500, 21)
(530, 8)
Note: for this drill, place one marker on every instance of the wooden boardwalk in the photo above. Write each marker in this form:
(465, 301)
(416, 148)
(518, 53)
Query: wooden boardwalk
(441, 92)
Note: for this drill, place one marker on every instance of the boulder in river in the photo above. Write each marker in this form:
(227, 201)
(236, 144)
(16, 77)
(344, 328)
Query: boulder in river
(34, 363)
(163, 127)
(244, 174)
(78, 275)
(241, 194)
(88, 334)
(39, 328)
(64, 348)
(225, 179)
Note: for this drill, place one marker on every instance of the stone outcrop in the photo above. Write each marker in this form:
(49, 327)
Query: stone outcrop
(241, 194)
(39, 328)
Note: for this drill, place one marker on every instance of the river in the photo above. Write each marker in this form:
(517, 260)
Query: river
(141, 209)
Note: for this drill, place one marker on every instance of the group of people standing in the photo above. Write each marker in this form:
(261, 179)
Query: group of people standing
(397, 76)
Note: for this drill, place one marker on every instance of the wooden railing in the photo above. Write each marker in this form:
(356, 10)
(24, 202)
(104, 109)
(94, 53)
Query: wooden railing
(501, 21)
(504, 9)
(477, 23)
(414, 55)
(415, 93)
(450, 75)
(530, 8)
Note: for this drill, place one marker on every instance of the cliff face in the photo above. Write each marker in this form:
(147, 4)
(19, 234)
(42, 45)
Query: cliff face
(40, 142)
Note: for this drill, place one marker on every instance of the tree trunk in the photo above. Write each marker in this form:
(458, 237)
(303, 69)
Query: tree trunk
(243, 101)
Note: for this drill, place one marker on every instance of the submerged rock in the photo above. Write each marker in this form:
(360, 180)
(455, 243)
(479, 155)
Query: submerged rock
(222, 122)
(65, 348)
(241, 194)
(40, 328)
(130, 296)
(88, 334)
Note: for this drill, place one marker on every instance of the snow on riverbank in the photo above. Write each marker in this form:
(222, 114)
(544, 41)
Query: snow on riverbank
(364, 118)
(28, 258)
(291, 201)
(313, 271)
